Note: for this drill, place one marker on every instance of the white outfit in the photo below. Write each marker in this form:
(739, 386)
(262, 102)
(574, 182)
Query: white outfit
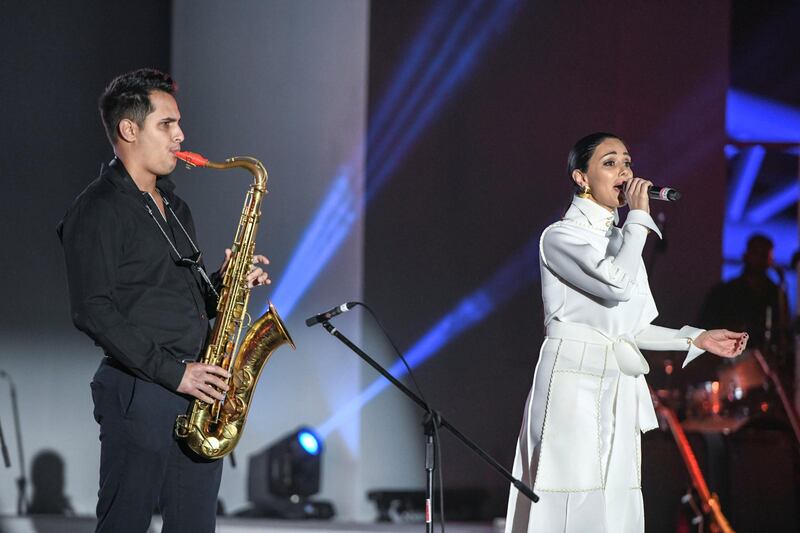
(579, 447)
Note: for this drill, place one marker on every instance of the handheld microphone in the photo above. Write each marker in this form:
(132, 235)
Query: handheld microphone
(327, 315)
(668, 194)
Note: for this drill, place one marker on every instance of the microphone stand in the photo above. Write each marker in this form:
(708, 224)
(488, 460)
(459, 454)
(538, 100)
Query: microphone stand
(791, 414)
(429, 422)
(6, 459)
(22, 500)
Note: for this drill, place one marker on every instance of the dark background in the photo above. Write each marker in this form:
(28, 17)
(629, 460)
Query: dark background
(478, 184)
(57, 59)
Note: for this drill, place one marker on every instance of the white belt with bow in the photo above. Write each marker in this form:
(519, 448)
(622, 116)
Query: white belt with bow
(631, 362)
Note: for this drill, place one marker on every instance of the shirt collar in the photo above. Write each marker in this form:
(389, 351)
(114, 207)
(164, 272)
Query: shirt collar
(116, 172)
(593, 214)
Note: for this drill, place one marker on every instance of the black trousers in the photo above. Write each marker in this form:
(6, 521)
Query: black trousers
(143, 466)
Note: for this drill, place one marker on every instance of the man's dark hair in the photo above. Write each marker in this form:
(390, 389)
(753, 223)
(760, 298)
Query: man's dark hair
(759, 242)
(128, 96)
(582, 152)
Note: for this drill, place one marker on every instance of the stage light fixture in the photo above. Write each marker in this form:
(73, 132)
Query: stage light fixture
(282, 477)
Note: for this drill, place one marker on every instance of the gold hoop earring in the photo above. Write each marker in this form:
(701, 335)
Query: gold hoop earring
(585, 192)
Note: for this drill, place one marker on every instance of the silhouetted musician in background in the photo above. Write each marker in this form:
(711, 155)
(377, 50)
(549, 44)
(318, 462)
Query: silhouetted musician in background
(753, 302)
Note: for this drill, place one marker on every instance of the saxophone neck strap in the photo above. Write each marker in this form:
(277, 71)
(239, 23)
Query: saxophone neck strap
(193, 261)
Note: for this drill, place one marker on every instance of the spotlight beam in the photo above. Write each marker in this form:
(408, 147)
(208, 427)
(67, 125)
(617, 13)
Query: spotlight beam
(298, 275)
(774, 204)
(420, 87)
(519, 272)
(750, 118)
(419, 49)
(444, 89)
(305, 264)
(744, 177)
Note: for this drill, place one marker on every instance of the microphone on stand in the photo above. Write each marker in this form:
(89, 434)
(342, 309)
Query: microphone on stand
(327, 315)
(667, 194)
(22, 499)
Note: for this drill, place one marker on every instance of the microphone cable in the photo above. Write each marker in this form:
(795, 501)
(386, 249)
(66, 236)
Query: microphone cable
(431, 413)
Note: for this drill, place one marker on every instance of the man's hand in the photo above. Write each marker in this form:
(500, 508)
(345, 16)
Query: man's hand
(257, 275)
(199, 380)
(722, 342)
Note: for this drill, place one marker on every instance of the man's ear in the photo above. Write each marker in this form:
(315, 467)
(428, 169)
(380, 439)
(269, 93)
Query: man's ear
(127, 130)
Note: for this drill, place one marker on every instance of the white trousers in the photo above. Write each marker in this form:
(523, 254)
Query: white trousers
(579, 446)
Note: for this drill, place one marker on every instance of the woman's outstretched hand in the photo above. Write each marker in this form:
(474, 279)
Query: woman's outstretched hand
(722, 342)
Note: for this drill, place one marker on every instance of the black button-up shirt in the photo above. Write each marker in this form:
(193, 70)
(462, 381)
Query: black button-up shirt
(126, 290)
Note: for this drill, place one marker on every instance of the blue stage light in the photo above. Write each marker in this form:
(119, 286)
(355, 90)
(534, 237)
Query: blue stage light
(744, 177)
(309, 442)
(417, 53)
(731, 151)
(774, 204)
(463, 64)
(444, 69)
(750, 118)
(320, 240)
(384, 140)
(519, 272)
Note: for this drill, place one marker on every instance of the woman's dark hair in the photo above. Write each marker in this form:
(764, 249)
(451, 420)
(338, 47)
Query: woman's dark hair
(582, 152)
(128, 96)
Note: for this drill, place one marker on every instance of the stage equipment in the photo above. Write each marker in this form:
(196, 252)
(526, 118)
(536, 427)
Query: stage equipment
(6, 459)
(22, 481)
(213, 430)
(432, 420)
(327, 315)
(708, 507)
(282, 477)
(404, 506)
(791, 413)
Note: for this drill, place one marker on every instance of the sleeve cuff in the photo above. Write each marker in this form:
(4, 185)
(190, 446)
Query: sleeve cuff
(171, 373)
(642, 218)
(691, 334)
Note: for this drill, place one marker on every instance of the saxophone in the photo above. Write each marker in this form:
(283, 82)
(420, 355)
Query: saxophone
(213, 430)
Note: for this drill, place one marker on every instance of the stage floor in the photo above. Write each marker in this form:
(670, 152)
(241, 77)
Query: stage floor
(52, 524)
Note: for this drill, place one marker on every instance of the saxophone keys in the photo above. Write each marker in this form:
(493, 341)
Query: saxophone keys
(230, 431)
(237, 405)
(182, 426)
(243, 379)
(211, 446)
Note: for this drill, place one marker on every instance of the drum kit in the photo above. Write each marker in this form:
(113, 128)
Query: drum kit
(746, 390)
(741, 392)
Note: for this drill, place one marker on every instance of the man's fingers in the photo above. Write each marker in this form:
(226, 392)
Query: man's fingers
(218, 370)
(258, 277)
(254, 274)
(200, 395)
(227, 258)
(218, 383)
(211, 391)
(259, 259)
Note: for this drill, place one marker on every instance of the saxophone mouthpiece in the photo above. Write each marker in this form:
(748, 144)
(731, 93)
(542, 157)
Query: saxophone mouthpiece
(191, 158)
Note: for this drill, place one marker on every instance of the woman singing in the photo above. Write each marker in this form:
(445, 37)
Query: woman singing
(579, 446)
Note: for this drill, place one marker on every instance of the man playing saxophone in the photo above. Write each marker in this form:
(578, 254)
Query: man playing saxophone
(138, 289)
